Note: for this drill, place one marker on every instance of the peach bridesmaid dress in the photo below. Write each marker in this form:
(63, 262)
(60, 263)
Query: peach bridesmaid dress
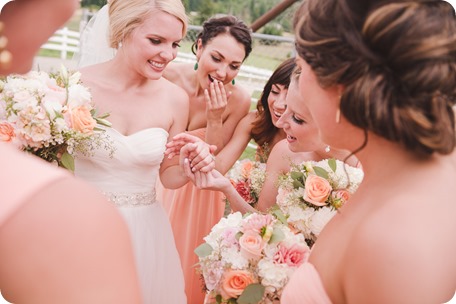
(305, 287)
(192, 213)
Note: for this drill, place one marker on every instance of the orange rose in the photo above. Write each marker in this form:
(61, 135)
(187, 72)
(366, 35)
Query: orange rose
(234, 283)
(81, 120)
(6, 132)
(247, 166)
(317, 190)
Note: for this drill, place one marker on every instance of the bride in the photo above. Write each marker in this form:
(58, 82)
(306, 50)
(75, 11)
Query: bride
(142, 107)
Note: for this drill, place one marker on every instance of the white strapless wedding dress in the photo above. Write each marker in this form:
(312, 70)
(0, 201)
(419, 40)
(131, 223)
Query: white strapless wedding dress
(128, 180)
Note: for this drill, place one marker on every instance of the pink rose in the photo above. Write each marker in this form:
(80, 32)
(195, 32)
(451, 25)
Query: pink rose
(81, 120)
(317, 190)
(234, 283)
(340, 197)
(251, 244)
(292, 256)
(257, 222)
(6, 132)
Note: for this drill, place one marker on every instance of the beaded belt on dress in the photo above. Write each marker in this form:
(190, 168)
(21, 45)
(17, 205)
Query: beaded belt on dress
(131, 199)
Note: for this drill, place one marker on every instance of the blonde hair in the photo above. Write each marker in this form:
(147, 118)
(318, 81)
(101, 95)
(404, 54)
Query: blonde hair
(126, 15)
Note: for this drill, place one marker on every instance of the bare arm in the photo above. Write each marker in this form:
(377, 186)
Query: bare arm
(29, 24)
(77, 245)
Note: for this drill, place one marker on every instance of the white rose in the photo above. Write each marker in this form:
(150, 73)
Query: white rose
(320, 218)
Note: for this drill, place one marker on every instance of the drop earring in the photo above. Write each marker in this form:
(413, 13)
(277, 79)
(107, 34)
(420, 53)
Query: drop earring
(328, 149)
(233, 82)
(338, 116)
(195, 67)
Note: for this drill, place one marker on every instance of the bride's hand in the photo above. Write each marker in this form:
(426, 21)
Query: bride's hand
(200, 156)
(175, 145)
(212, 180)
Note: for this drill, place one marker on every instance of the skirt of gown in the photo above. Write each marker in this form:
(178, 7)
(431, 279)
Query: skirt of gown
(192, 213)
(158, 264)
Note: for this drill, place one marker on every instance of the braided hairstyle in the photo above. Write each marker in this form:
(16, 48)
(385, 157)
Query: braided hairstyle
(396, 60)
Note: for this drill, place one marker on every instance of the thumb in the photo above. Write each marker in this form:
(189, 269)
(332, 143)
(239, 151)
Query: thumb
(212, 148)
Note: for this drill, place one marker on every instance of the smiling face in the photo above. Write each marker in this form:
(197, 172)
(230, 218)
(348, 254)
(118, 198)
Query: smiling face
(277, 102)
(153, 44)
(220, 59)
(297, 122)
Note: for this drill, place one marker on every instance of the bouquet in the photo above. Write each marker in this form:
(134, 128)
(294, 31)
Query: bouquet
(50, 115)
(247, 177)
(310, 194)
(249, 259)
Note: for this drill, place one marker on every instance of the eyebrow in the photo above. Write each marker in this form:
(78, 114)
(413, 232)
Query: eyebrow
(221, 55)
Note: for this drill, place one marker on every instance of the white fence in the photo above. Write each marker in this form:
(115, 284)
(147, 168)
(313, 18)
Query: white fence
(64, 41)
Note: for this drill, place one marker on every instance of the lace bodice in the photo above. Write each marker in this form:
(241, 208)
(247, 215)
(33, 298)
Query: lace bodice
(128, 177)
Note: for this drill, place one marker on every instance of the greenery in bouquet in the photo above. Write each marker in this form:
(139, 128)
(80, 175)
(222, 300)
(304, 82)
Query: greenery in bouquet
(249, 259)
(247, 177)
(51, 115)
(311, 192)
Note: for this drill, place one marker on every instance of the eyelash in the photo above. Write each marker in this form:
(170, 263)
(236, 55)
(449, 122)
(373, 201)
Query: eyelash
(158, 41)
(296, 120)
(233, 67)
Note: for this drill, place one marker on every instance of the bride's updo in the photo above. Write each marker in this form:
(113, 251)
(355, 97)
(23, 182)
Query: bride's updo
(396, 60)
(126, 15)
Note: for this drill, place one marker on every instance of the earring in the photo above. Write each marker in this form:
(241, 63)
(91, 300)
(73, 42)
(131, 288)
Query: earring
(5, 55)
(328, 149)
(233, 82)
(338, 116)
(195, 67)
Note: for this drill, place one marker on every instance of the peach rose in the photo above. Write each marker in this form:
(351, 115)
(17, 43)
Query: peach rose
(340, 197)
(81, 120)
(251, 244)
(317, 190)
(246, 169)
(234, 283)
(6, 132)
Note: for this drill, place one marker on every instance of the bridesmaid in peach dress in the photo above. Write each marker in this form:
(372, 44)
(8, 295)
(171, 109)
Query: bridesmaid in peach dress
(217, 104)
(50, 222)
(379, 79)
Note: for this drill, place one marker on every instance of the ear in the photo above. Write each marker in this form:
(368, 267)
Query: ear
(199, 48)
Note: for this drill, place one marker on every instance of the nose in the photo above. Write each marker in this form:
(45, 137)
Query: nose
(168, 53)
(221, 72)
(283, 121)
(280, 102)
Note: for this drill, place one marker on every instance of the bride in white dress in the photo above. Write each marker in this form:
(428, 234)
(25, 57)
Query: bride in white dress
(145, 110)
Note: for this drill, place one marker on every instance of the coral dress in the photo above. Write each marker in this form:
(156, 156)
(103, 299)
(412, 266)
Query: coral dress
(192, 213)
(128, 179)
(305, 287)
(21, 177)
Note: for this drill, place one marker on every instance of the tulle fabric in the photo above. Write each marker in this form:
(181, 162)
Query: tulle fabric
(305, 287)
(128, 179)
(192, 213)
(94, 41)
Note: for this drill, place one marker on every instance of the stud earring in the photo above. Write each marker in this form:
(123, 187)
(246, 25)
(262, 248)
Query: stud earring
(233, 82)
(5, 55)
(328, 149)
(338, 116)
(195, 67)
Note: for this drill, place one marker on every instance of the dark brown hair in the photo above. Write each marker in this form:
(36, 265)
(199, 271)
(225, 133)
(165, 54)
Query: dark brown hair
(263, 130)
(396, 60)
(225, 25)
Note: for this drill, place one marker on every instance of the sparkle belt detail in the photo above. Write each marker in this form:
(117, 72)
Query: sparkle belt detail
(131, 199)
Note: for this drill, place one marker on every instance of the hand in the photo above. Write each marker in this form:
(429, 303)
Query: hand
(200, 156)
(175, 145)
(216, 100)
(212, 180)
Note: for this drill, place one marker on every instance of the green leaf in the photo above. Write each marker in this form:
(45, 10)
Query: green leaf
(218, 299)
(332, 164)
(67, 161)
(203, 250)
(296, 175)
(280, 216)
(321, 172)
(253, 294)
(277, 236)
(297, 184)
